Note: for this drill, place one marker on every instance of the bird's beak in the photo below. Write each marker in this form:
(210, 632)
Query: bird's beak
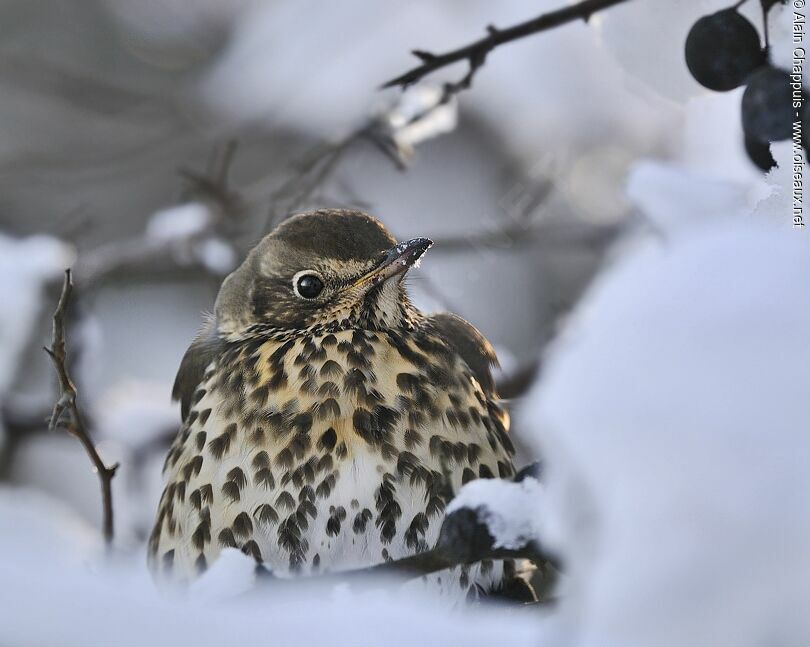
(398, 260)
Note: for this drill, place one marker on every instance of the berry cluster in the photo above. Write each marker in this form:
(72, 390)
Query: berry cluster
(723, 52)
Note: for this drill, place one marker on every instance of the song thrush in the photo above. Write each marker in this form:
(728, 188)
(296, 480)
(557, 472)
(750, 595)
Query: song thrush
(326, 420)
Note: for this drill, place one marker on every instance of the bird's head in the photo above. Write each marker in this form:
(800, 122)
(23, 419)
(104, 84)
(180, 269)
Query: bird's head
(331, 268)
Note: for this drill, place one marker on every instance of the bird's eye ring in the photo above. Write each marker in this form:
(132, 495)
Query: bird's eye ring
(307, 284)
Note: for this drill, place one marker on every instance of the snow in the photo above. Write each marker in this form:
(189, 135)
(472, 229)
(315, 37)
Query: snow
(26, 265)
(231, 574)
(509, 510)
(34, 526)
(216, 255)
(57, 590)
(672, 418)
(778, 205)
(179, 223)
(656, 56)
(780, 21)
(136, 412)
(418, 115)
(675, 198)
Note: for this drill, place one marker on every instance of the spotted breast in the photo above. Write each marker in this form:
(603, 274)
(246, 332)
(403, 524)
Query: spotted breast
(334, 441)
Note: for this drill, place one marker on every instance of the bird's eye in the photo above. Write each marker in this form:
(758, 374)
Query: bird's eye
(308, 286)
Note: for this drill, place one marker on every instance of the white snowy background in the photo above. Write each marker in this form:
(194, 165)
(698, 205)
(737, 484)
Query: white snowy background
(672, 408)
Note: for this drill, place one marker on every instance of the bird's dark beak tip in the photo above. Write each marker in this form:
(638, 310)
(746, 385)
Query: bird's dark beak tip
(401, 258)
(408, 252)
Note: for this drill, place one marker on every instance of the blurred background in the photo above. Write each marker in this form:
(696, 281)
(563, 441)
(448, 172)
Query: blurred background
(150, 144)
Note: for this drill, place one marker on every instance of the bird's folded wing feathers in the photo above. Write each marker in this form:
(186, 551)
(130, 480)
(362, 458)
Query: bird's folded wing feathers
(203, 350)
(470, 344)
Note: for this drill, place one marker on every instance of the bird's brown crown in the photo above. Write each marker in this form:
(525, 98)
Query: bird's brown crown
(330, 269)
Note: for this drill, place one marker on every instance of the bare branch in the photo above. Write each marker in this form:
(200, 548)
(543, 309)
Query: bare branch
(463, 539)
(518, 235)
(475, 54)
(319, 166)
(66, 413)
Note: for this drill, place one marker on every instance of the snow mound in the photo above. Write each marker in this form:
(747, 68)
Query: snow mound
(673, 420)
(509, 510)
(232, 573)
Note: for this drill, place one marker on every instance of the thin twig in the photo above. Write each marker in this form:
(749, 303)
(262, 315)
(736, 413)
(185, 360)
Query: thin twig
(476, 53)
(66, 412)
(519, 235)
(318, 167)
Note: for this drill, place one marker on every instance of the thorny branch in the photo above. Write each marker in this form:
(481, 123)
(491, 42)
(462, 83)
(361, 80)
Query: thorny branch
(66, 413)
(475, 54)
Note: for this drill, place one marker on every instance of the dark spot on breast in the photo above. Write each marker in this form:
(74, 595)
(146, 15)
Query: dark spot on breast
(504, 470)
(219, 446)
(264, 477)
(237, 476)
(251, 548)
(231, 491)
(328, 439)
(328, 390)
(285, 458)
(412, 439)
(325, 463)
(199, 440)
(265, 513)
(329, 409)
(285, 500)
(242, 525)
(331, 368)
(226, 538)
(202, 534)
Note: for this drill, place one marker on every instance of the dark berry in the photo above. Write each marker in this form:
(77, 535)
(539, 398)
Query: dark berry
(767, 105)
(759, 153)
(722, 50)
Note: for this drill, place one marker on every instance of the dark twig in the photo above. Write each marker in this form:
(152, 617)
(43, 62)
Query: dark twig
(441, 558)
(314, 171)
(213, 185)
(319, 166)
(66, 413)
(476, 53)
(519, 235)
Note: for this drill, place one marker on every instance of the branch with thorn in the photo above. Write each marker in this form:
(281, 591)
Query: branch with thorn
(66, 413)
(475, 54)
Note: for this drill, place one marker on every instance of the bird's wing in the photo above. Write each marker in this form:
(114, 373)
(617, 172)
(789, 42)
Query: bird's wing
(470, 344)
(203, 350)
